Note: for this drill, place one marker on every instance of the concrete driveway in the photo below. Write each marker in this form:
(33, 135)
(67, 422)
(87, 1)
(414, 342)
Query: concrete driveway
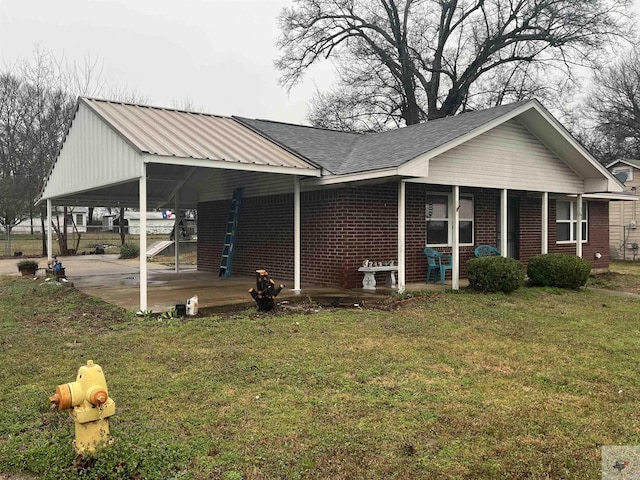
(117, 281)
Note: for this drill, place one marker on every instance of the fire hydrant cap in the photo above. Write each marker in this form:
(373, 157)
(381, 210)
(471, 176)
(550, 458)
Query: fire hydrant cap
(98, 396)
(62, 397)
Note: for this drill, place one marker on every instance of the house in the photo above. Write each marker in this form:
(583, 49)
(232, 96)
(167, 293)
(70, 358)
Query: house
(624, 231)
(316, 203)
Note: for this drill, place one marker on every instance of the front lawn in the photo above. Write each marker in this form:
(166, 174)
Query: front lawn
(528, 385)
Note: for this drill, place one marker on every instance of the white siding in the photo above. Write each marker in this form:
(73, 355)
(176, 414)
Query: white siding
(508, 156)
(93, 155)
(219, 184)
(622, 217)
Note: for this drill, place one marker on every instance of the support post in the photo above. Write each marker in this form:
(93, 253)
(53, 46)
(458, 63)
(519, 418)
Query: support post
(143, 239)
(455, 247)
(296, 229)
(503, 222)
(49, 232)
(402, 206)
(545, 223)
(579, 226)
(176, 231)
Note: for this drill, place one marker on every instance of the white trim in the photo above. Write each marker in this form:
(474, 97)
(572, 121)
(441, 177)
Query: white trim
(296, 235)
(227, 165)
(579, 226)
(49, 232)
(571, 221)
(354, 177)
(504, 225)
(455, 248)
(176, 231)
(545, 223)
(402, 209)
(143, 240)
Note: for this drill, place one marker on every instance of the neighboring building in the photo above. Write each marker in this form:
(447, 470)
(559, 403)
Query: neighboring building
(624, 230)
(77, 215)
(316, 203)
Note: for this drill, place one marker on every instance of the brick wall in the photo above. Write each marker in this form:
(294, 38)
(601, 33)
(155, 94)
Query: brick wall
(342, 227)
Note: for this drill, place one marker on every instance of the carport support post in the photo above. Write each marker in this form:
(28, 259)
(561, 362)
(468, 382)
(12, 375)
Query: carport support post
(455, 271)
(503, 223)
(176, 233)
(143, 239)
(402, 186)
(545, 223)
(579, 213)
(296, 235)
(49, 232)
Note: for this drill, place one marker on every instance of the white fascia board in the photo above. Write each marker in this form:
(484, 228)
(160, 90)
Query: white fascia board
(353, 177)
(612, 196)
(226, 165)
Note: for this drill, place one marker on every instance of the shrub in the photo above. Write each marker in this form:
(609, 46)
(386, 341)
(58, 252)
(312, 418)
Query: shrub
(28, 265)
(495, 274)
(558, 270)
(128, 250)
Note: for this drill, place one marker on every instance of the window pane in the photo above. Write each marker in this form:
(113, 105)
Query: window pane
(437, 232)
(466, 208)
(584, 231)
(562, 210)
(466, 232)
(437, 206)
(563, 232)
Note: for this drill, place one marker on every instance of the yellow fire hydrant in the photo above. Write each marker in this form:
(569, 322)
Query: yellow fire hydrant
(92, 407)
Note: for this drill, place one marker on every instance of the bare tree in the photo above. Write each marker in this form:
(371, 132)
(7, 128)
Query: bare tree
(408, 61)
(614, 106)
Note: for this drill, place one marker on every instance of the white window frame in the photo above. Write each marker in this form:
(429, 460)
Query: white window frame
(572, 221)
(626, 169)
(449, 219)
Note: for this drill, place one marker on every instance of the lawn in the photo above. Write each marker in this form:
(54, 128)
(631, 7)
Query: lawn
(456, 385)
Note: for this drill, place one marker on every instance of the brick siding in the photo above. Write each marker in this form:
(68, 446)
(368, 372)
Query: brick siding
(341, 227)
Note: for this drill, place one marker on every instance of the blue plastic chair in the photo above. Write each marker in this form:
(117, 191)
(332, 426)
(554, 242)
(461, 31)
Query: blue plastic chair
(486, 251)
(439, 263)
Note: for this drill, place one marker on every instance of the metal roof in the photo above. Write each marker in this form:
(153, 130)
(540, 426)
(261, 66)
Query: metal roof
(175, 133)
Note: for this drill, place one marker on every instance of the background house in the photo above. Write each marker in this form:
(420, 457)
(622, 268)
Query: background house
(624, 231)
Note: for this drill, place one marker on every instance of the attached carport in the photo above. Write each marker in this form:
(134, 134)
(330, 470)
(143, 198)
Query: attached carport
(123, 155)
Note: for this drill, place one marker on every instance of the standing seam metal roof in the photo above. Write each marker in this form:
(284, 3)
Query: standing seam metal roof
(175, 133)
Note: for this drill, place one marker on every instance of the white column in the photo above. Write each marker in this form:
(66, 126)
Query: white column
(455, 248)
(402, 207)
(296, 235)
(49, 232)
(545, 223)
(503, 222)
(176, 231)
(579, 226)
(143, 239)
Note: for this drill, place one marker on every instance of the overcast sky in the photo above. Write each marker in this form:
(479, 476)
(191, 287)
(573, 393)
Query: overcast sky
(217, 54)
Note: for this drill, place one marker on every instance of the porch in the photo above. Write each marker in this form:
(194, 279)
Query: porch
(117, 281)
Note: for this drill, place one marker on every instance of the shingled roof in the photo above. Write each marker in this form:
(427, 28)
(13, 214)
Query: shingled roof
(344, 153)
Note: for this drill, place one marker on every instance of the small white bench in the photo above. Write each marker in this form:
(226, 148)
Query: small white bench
(369, 280)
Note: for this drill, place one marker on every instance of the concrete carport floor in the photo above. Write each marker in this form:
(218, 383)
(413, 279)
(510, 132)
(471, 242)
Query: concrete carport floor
(117, 282)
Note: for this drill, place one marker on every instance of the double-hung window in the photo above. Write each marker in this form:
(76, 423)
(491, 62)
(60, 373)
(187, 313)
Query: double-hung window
(567, 220)
(439, 217)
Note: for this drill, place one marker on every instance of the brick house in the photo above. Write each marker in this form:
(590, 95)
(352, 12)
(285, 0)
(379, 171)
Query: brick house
(316, 202)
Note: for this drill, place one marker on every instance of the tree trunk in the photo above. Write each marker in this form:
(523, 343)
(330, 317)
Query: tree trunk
(122, 226)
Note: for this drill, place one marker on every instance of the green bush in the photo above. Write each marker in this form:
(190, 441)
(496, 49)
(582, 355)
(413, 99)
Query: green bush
(558, 270)
(128, 250)
(495, 274)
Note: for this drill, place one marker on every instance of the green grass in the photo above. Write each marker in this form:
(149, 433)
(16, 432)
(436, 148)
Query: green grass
(528, 385)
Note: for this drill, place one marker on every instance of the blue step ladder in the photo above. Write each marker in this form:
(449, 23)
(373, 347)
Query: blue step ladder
(226, 261)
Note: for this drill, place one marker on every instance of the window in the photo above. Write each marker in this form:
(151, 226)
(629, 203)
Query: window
(79, 219)
(566, 219)
(627, 171)
(439, 218)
